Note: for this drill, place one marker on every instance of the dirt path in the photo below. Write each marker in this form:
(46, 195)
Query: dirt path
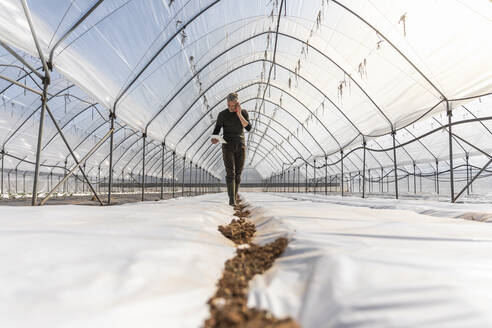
(228, 306)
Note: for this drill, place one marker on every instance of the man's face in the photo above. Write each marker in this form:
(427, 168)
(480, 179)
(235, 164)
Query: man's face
(232, 105)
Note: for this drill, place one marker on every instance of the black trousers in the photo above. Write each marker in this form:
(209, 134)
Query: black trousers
(233, 155)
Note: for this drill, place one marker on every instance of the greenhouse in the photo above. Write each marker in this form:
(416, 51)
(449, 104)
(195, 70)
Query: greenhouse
(363, 185)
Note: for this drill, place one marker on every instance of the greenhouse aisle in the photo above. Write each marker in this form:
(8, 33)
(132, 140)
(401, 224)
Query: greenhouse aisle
(155, 264)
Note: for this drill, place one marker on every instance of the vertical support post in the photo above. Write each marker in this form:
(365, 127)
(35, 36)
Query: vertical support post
(64, 175)
(408, 182)
(306, 180)
(394, 163)
(196, 177)
(437, 177)
(200, 182)
(370, 180)
(381, 183)
(364, 170)
(24, 182)
(17, 180)
(191, 170)
(46, 82)
(283, 179)
(294, 180)
(299, 179)
(314, 175)
(467, 177)
(44, 99)
(162, 169)
(98, 177)
(471, 182)
(183, 176)
(451, 167)
(174, 159)
(420, 180)
(414, 179)
(112, 116)
(144, 136)
(326, 175)
(341, 166)
(3, 157)
(288, 181)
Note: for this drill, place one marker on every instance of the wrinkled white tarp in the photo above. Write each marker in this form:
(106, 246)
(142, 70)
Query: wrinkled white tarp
(349, 266)
(152, 264)
(155, 264)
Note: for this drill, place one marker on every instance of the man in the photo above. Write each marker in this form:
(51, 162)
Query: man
(234, 120)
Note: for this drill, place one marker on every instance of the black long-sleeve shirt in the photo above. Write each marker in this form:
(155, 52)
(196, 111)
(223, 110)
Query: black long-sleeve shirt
(233, 129)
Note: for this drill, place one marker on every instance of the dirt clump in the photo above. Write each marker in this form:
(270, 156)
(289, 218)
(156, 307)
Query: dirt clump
(239, 231)
(228, 306)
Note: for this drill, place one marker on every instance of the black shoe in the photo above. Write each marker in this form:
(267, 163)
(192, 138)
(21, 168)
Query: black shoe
(231, 193)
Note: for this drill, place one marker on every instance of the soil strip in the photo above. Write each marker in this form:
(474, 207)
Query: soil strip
(228, 306)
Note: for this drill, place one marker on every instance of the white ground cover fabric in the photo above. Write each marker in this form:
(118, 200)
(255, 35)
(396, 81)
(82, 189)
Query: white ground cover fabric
(152, 264)
(155, 264)
(349, 266)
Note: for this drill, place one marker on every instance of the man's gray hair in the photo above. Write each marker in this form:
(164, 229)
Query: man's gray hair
(232, 96)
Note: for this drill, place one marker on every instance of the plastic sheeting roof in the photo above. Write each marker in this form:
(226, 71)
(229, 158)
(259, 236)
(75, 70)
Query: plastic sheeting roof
(344, 71)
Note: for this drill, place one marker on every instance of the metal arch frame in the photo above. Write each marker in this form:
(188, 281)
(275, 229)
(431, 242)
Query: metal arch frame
(113, 112)
(288, 131)
(147, 159)
(16, 82)
(474, 116)
(464, 150)
(122, 141)
(271, 150)
(277, 105)
(18, 79)
(272, 65)
(141, 150)
(421, 143)
(254, 98)
(125, 151)
(390, 43)
(169, 161)
(88, 136)
(324, 56)
(248, 86)
(67, 33)
(277, 160)
(166, 43)
(487, 118)
(66, 123)
(269, 161)
(265, 60)
(203, 133)
(272, 143)
(76, 160)
(307, 81)
(25, 87)
(31, 115)
(92, 134)
(158, 152)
